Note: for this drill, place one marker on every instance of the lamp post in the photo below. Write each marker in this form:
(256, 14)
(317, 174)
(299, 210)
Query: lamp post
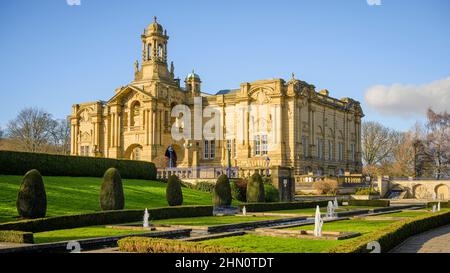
(267, 165)
(229, 161)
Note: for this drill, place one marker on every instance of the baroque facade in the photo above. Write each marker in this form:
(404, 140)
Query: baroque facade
(262, 123)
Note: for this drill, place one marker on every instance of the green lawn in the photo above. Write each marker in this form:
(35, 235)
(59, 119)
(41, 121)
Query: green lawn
(213, 220)
(266, 244)
(71, 195)
(361, 226)
(81, 233)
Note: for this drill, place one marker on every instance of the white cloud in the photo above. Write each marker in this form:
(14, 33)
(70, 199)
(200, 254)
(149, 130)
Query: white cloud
(409, 100)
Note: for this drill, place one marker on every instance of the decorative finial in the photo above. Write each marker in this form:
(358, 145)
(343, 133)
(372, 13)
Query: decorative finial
(293, 76)
(154, 19)
(192, 70)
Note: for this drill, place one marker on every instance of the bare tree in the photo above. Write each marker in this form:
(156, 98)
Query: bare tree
(438, 141)
(32, 129)
(378, 143)
(1, 133)
(61, 136)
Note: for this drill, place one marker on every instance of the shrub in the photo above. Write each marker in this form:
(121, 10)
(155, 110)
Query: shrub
(14, 236)
(326, 186)
(32, 199)
(174, 194)
(204, 186)
(443, 204)
(260, 207)
(18, 163)
(239, 189)
(369, 203)
(111, 192)
(158, 245)
(271, 193)
(366, 191)
(105, 218)
(222, 192)
(255, 189)
(395, 234)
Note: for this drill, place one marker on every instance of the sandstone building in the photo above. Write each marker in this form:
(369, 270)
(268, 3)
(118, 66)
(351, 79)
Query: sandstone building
(290, 126)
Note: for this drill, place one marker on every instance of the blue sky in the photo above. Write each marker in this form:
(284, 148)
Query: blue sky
(54, 55)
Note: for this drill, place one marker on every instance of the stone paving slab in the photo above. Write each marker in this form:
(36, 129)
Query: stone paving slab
(433, 241)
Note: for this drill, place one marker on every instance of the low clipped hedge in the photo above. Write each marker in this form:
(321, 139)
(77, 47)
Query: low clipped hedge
(157, 245)
(260, 207)
(395, 234)
(105, 218)
(443, 204)
(18, 163)
(370, 203)
(14, 236)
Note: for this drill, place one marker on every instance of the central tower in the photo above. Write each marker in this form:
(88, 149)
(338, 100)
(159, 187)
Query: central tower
(154, 53)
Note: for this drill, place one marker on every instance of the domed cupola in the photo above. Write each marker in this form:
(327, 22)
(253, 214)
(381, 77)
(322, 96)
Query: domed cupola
(155, 27)
(193, 82)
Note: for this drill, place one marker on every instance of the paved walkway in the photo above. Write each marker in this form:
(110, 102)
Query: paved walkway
(433, 241)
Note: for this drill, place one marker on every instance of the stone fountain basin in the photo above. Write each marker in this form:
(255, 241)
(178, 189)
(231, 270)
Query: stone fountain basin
(305, 234)
(133, 226)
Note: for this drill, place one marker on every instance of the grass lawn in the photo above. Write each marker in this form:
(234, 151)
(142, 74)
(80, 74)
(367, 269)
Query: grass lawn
(81, 233)
(213, 220)
(72, 195)
(266, 244)
(361, 226)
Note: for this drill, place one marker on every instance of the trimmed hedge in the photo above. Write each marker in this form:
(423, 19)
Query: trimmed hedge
(19, 237)
(174, 194)
(18, 163)
(443, 204)
(271, 194)
(260, 207)
(105, 218)
(395, 234)
(222, 192)
(369, 203)
(157, 245)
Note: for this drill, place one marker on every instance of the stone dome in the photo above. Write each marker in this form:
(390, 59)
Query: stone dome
(192, 75)
(155, 27)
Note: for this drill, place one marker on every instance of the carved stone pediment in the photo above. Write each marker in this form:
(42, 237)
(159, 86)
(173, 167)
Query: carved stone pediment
(261, 95)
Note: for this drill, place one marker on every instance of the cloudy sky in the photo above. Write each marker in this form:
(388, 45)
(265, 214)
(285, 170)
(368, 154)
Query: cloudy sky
(392, 57)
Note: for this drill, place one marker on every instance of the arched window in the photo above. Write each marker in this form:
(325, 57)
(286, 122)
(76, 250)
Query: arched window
(149, 52)
(160, 52)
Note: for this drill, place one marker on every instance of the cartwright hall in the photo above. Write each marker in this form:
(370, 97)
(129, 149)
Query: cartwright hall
(315, 133)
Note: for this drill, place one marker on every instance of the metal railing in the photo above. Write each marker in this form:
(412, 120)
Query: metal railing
(197, 172)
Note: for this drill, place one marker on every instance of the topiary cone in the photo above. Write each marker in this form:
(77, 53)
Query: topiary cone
(255, 189)
(222, 192)
(174, 194)
(32, 199)
(111, 191)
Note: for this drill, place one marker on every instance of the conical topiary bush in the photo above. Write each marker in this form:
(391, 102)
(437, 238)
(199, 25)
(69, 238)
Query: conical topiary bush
(111, 192)
(32, 199)
(174, 194)
(222, 192)
(255, 189)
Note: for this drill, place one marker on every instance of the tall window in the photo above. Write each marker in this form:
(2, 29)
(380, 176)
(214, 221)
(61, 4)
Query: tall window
(212, 149)
(320, 144)
(149, 52)
(206, 149)
(305, 146)
(261, 145)
(234, 148)
(84, 150)
(341, 151)
(209, 149)
(264, 145)
(352, 151)
(330, 150)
